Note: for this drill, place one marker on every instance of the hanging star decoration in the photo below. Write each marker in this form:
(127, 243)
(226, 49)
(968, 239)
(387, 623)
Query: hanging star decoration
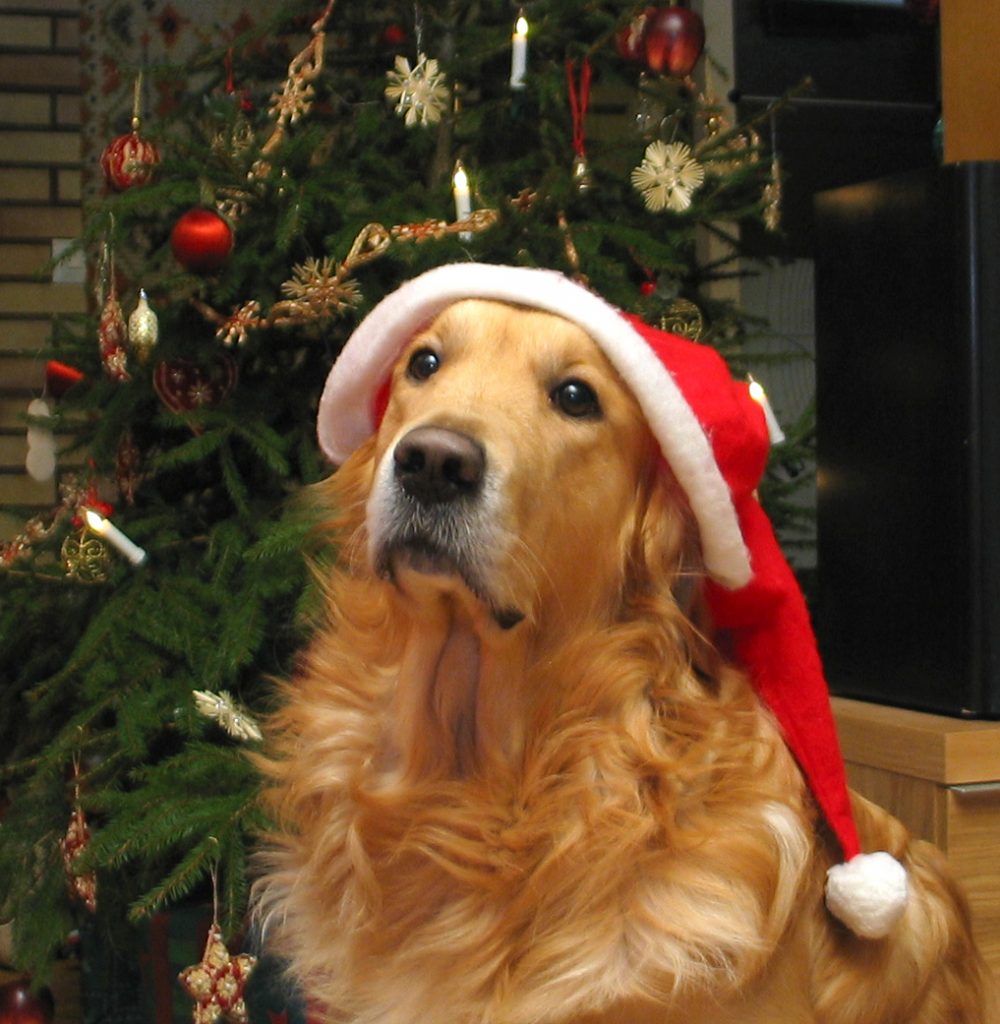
(420, 93)
(221, 707)
(216, 984)
(668, 176)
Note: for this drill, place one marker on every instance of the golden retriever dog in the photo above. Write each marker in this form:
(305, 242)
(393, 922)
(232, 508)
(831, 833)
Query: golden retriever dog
(515, 780)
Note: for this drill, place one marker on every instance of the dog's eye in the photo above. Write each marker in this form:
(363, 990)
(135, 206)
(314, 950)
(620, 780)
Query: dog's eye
(423, 364)
(576, 399)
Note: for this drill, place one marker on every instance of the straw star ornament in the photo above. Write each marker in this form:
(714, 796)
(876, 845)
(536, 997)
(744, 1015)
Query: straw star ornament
(216, 983)
(420, 93)
(668, 176)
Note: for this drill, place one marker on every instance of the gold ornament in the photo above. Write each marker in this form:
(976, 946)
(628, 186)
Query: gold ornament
(85, 558)
(772, 197)
(143, 328)
(581, 175)
(683, 317)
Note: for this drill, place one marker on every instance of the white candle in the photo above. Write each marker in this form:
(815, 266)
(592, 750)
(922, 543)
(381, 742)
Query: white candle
(759, 395)
(519, 53)
(463, 197)
(109, 532)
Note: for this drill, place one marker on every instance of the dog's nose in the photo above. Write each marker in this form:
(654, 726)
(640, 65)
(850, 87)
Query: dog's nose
(436, 465)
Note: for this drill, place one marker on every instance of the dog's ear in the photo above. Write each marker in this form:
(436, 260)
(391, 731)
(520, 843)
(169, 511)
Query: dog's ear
(664, 558)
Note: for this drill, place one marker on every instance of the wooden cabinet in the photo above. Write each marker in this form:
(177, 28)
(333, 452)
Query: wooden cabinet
(941, 777)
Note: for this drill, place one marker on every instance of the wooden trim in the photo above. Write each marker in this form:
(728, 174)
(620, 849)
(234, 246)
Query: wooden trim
(944, 750)
(970, 79)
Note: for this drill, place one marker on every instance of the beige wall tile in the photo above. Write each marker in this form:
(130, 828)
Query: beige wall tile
(26, 30)
(28, 297)
(23, 183)
(22, 259)
(38, 147)
(20, 489)
(68, 109)
(40, 69)
(23, 374)
(24, 108)
(68, 184)
(31, 222)
(18, 335)
(67, 33)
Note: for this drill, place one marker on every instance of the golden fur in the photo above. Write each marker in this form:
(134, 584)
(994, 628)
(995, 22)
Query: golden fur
(580, 813)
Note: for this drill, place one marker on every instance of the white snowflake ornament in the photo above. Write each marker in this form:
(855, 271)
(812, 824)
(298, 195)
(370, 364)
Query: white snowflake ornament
(420, 93)
(668, 176)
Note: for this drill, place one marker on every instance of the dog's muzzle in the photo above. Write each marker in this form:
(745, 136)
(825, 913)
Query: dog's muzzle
(433, 512)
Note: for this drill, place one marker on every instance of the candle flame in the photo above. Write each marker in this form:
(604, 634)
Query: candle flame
(95, 521)
(521, 25)
(460, 179)
(759, 395)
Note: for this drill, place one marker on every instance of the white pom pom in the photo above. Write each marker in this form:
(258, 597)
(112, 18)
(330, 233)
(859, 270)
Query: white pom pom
(868, 893)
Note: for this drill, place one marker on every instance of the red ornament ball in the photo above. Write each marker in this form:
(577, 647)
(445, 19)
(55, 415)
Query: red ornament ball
(19, 1005)
(201, 241)
(647, 287)
(673, 41)
(129, 160)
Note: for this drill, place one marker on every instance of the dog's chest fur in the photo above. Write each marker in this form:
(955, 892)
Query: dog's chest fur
(619, 857)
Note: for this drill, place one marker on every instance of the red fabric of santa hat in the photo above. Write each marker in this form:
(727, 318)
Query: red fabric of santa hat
(714, 437)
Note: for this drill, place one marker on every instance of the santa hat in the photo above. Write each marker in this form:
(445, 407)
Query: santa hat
(714, 437)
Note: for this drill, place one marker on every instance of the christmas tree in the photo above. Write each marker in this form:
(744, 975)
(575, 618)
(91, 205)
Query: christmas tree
(327, 156)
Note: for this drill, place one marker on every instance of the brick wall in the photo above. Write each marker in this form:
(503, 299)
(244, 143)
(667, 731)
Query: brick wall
(39, 201)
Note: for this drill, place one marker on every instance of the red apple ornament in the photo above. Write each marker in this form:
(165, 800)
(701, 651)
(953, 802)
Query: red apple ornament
(201, 241)
(19, 1005)
(673, 39)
